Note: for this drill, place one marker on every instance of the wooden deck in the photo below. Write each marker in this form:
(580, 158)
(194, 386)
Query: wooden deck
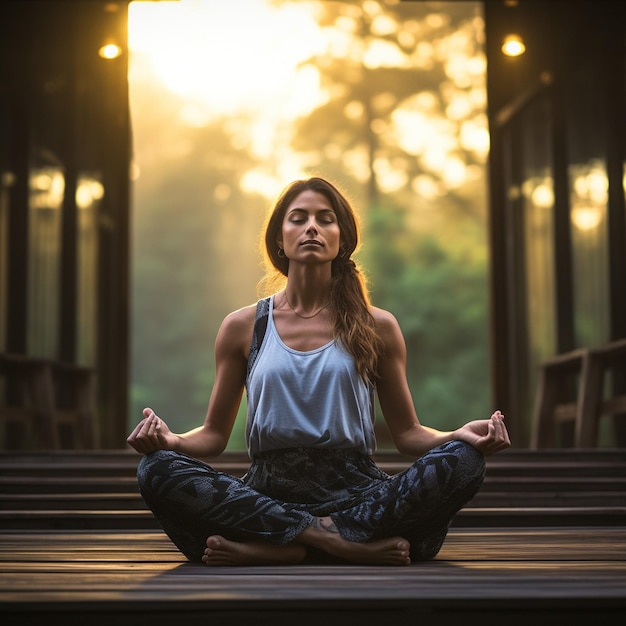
(545, 540)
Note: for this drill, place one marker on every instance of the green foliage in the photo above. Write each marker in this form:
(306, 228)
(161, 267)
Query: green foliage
(438, 295)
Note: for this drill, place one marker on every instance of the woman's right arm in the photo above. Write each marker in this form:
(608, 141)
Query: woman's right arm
(210, 439)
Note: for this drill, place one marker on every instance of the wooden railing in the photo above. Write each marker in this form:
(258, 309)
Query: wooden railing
(572, 388)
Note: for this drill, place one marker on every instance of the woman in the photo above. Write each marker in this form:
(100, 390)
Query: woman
(311, 358)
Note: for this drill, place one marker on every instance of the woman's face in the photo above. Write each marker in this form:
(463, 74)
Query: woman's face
(310, 231)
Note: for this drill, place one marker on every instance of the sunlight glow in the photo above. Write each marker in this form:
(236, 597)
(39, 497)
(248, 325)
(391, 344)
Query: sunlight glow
(257, 65)
(542, 195)
(218, 53)
(47, 186)
(88, 191)
(586, 218)
(589, 195)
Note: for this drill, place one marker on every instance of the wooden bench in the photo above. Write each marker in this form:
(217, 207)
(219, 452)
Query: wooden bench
(573, 388)
(593, 401)
(51, 401)
(29, 399)
(75, 410)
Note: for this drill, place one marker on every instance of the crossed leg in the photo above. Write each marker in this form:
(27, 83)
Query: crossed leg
(321, 534)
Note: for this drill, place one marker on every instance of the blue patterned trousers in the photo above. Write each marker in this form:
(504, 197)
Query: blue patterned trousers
(284, 489)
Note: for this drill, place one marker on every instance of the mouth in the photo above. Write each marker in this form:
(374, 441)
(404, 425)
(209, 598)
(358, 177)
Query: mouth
(311, 242)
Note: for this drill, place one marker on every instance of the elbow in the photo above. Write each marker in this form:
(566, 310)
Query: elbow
(403, 446)
(215, 447)
(413, 442)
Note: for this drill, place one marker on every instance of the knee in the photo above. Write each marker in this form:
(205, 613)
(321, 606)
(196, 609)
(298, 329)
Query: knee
(470, 462)
(151, 465)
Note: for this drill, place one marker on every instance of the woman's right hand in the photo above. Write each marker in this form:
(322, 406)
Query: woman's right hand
(151, 434)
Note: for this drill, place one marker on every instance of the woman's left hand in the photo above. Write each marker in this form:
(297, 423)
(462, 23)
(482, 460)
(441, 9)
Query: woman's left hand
(487, 436)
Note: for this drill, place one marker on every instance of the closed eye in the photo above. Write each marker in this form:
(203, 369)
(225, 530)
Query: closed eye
(324, 217)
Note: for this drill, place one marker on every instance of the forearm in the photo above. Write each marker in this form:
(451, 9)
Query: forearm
(420, 439)
(199, 443)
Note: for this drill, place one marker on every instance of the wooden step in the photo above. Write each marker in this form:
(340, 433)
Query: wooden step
(576, 484)
(72, 501)
(518, 465)
(36, 484)
(132, 500)
(470, 517)
(85, 483)
(98, 490)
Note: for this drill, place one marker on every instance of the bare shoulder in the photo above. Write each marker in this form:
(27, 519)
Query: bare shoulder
(236, 328)
(390, 332)
(385, 321)
(240, 321)
(240, 317)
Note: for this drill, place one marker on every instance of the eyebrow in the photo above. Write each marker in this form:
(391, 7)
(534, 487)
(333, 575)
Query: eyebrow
(303, 210)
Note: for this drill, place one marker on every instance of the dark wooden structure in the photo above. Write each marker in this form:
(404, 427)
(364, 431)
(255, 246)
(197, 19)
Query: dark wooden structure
(65, 142)
(557, 216)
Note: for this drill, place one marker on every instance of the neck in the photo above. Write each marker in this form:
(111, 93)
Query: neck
(308, 286)
(306, 299)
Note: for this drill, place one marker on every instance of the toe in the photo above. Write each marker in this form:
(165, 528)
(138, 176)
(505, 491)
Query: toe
(213, 541)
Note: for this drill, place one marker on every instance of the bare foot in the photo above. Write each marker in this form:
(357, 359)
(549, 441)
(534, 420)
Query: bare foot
(221, 552)
(324, 535)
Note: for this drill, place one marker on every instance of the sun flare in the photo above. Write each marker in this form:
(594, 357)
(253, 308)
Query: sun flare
(231, 57)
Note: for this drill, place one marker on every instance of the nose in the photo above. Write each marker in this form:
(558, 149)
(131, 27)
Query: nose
(311, 228)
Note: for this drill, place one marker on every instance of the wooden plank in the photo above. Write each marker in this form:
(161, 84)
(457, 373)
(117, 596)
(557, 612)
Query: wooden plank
(563, 544)
(468, 517)
(134, 501)
(443, 580)
(480, 576)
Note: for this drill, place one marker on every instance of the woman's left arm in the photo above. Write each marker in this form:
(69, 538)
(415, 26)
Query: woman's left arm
(409, 435)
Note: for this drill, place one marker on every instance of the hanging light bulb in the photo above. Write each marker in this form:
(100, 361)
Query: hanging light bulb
(513, 46)
(110, 50)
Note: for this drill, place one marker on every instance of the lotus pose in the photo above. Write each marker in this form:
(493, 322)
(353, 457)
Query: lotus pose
(312, 358)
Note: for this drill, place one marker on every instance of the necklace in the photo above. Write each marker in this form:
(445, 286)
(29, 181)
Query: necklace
(304, 317)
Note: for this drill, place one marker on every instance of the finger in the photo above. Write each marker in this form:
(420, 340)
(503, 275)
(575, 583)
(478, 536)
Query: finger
(493, 429)
(496, 428)
(139, 431)
(135, 431)
(501, 440)
(144, 436)
(152, 437)
(498, 420)
(151, 423)
(493, 440)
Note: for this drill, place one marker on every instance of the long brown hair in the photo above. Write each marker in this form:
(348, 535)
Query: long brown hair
(349, 304)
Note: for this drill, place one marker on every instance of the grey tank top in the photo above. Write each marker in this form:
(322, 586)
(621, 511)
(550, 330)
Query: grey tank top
(306, 399)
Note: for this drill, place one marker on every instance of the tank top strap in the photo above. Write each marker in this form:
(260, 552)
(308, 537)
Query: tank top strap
(258, 334)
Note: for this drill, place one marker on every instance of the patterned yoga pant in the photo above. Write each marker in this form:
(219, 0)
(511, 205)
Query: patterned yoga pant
(284, 489)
